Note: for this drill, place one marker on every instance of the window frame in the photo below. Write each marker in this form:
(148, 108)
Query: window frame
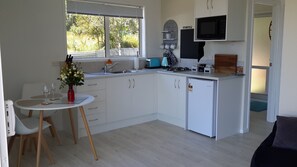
(107, 34)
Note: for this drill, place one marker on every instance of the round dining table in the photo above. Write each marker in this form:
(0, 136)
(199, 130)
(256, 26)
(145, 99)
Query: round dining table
(41, 104)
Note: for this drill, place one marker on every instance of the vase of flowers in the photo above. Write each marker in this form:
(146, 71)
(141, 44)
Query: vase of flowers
(71, 75)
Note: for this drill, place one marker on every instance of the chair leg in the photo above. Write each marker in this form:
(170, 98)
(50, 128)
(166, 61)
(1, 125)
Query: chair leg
(10, 144)
(53, 129)
(20, 150)
(24, 146)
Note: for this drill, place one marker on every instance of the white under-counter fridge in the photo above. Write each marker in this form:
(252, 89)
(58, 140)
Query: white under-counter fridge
(201, 106)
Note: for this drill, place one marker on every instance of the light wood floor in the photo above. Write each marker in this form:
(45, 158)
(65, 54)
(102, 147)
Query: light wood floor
(154, 144)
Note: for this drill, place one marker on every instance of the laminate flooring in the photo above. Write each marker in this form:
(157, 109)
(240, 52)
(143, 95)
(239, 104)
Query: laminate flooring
(154, 144)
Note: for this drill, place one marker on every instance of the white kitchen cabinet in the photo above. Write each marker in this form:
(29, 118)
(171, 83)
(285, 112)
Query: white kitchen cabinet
(206, 8)
(235, 11)
(172, 99)
(130, 97)
(95, 111)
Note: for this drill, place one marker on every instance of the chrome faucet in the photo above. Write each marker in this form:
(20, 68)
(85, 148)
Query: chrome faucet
(108, 68)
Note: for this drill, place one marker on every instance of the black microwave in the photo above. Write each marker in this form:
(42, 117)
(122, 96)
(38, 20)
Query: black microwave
(211, 28)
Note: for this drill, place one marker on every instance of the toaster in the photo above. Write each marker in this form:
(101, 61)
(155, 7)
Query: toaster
(153, 62)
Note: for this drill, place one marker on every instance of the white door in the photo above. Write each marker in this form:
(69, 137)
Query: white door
(3, 133)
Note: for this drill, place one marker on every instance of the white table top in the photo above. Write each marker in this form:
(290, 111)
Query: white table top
(61, 103)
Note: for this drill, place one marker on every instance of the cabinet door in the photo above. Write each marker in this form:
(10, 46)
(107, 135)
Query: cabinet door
(166, 95)
(202, 8)
(144, 95)
(172, 99)
(219, 7)
(118, 98)
(206, 8)
(182, 99)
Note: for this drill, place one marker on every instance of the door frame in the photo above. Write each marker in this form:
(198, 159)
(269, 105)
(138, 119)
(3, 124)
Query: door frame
(275, 59)
(4, 159)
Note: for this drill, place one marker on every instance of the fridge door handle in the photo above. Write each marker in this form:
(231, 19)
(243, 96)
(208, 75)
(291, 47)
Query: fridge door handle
(190, 87)
(174, 83)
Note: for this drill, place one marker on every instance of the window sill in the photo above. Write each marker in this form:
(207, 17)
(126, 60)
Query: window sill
(100, 59)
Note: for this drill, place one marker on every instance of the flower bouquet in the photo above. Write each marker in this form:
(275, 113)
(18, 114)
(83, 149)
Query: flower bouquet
(71, 75)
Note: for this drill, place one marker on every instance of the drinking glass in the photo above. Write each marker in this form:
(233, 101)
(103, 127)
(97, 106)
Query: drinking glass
(45, 93)
(53, 90)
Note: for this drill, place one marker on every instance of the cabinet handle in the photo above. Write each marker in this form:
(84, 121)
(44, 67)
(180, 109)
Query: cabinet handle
(174, 83)
(133, 83)
(211, 4)
(178, 84)
(92, 84)
(129, 83)
(207, 4)
(92, 120)
(92, 108)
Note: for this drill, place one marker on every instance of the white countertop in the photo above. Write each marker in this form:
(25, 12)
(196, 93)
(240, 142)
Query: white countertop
(192, 74)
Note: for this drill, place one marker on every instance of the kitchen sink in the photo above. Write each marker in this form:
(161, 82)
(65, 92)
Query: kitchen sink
(99, 73)
(119, 72)
(113, 72)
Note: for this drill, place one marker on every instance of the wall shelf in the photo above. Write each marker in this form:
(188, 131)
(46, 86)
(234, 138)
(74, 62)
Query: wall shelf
(170, 33)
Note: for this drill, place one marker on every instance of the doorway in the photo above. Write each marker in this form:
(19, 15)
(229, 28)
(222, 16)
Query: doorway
(275, 60)
(262, 31)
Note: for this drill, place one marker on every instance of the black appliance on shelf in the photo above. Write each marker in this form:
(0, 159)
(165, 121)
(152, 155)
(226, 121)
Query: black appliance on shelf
(188, 48)
(210, 28)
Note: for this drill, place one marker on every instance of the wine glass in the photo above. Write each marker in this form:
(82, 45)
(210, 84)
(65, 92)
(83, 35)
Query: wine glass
(53, 90)
(45, 93)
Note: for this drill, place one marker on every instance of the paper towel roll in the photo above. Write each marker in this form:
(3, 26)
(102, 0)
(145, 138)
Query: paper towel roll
(136, 63)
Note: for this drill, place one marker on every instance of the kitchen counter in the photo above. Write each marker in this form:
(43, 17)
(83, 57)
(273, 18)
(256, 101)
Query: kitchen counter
(121, 97)
(192, 74)
(201, 75)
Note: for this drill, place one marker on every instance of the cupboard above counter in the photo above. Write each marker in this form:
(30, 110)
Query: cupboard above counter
(232, 27)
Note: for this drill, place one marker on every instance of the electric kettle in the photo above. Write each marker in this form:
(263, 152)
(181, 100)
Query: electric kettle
(164, 62)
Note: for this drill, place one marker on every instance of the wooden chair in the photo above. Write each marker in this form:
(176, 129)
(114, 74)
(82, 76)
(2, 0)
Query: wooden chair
(35, 89)
(26, 129)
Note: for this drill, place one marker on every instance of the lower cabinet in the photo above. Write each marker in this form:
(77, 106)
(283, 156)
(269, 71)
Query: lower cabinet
(130, 97)
(172, 99)
(119, 102)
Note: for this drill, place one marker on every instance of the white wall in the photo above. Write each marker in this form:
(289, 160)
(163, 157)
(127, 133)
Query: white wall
(261, 41)
(288, 83)
(33, 38)
(182, 12)
(32, 34)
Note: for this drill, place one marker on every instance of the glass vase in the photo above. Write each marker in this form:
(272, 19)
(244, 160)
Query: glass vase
(71, 95)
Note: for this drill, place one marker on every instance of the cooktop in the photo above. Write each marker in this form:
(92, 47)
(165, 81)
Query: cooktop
(178, 69)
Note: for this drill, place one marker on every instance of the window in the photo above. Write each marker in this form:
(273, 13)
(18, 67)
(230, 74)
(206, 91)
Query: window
(102, 30)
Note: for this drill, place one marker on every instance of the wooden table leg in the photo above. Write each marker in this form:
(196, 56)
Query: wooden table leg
(72, 126)
(47, 151)
(39, 138)
(88, 132)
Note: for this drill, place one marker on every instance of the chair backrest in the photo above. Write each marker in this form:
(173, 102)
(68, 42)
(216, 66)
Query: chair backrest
(10, 118)
(19, 126)
(34, 89)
